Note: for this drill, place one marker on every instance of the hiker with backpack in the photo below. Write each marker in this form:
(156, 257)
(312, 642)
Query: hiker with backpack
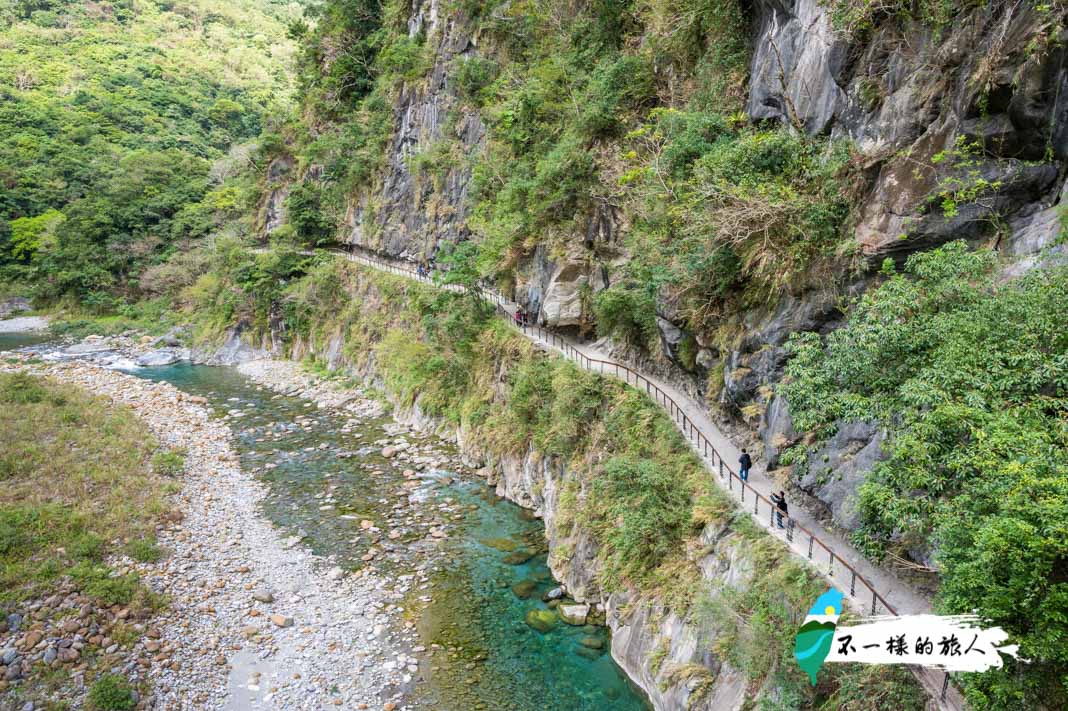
(745, 463)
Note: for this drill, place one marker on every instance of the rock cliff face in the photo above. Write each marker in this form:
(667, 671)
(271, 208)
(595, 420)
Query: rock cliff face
(406, 215)
(984, 102)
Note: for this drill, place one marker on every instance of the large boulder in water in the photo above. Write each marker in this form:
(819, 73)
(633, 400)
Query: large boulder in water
(524, 589)
(574, 614)
(555, 594)
(542, 620)
(87, 347)
(519, 556)
(160, 357)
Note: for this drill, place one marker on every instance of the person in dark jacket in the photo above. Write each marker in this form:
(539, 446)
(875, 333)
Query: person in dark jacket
(781, 508)
(745, 463)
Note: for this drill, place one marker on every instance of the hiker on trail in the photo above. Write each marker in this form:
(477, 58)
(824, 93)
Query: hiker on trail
(781, 508)
(745, 463)
(421, 270)
(520, 317)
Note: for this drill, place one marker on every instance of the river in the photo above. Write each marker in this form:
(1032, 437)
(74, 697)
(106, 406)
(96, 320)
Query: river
(489, 573)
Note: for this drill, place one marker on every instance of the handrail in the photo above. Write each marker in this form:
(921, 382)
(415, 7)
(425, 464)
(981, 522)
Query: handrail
(705, 449)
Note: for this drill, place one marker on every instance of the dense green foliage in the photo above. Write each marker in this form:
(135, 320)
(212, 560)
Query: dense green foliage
(113, 118)
(242, 286)
(336, 60)
(350, 68)
(971, 375)
(564, 97)
(587, 114)
(726, 216)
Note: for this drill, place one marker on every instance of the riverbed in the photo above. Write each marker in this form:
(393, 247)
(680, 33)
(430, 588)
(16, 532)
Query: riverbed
(471, 566)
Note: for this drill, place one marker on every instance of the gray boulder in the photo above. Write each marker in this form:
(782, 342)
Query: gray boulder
(161, 357)
(13, 306)
(171, 339)
(671, 337)
(777, 431)
(563, 298)
(836, 469)
(88, 347)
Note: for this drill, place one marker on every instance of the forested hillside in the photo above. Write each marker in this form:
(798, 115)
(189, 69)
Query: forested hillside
(115, 119)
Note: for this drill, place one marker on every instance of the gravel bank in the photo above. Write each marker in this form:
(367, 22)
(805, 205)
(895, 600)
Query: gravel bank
(24, 324)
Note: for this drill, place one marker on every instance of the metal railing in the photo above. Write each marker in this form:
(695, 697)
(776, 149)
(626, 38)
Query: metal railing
(830, 563)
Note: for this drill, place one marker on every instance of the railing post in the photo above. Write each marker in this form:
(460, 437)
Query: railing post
(853, 584)
(945, 686)
(811, 540)
(830, 563)
(721, 467)
(873, 599)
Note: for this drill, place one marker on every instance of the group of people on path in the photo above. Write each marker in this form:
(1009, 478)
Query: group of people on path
(745, 463)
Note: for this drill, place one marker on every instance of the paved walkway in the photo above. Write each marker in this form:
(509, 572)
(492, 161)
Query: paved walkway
(868, 589)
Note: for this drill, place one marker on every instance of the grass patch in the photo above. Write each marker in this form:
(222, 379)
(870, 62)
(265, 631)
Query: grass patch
(111, 692)
(152, 316)
(144, 551)
(75, 483)
(168, 462)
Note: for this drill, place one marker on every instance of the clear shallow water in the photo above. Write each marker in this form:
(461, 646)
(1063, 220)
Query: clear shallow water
(11, 341)
(502, 658)
(487, 656)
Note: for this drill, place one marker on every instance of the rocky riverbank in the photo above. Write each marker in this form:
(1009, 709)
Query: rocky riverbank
(10, 322)
(253, 618)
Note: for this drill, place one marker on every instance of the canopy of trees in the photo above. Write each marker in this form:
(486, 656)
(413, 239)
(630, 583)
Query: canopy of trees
(111, 116)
